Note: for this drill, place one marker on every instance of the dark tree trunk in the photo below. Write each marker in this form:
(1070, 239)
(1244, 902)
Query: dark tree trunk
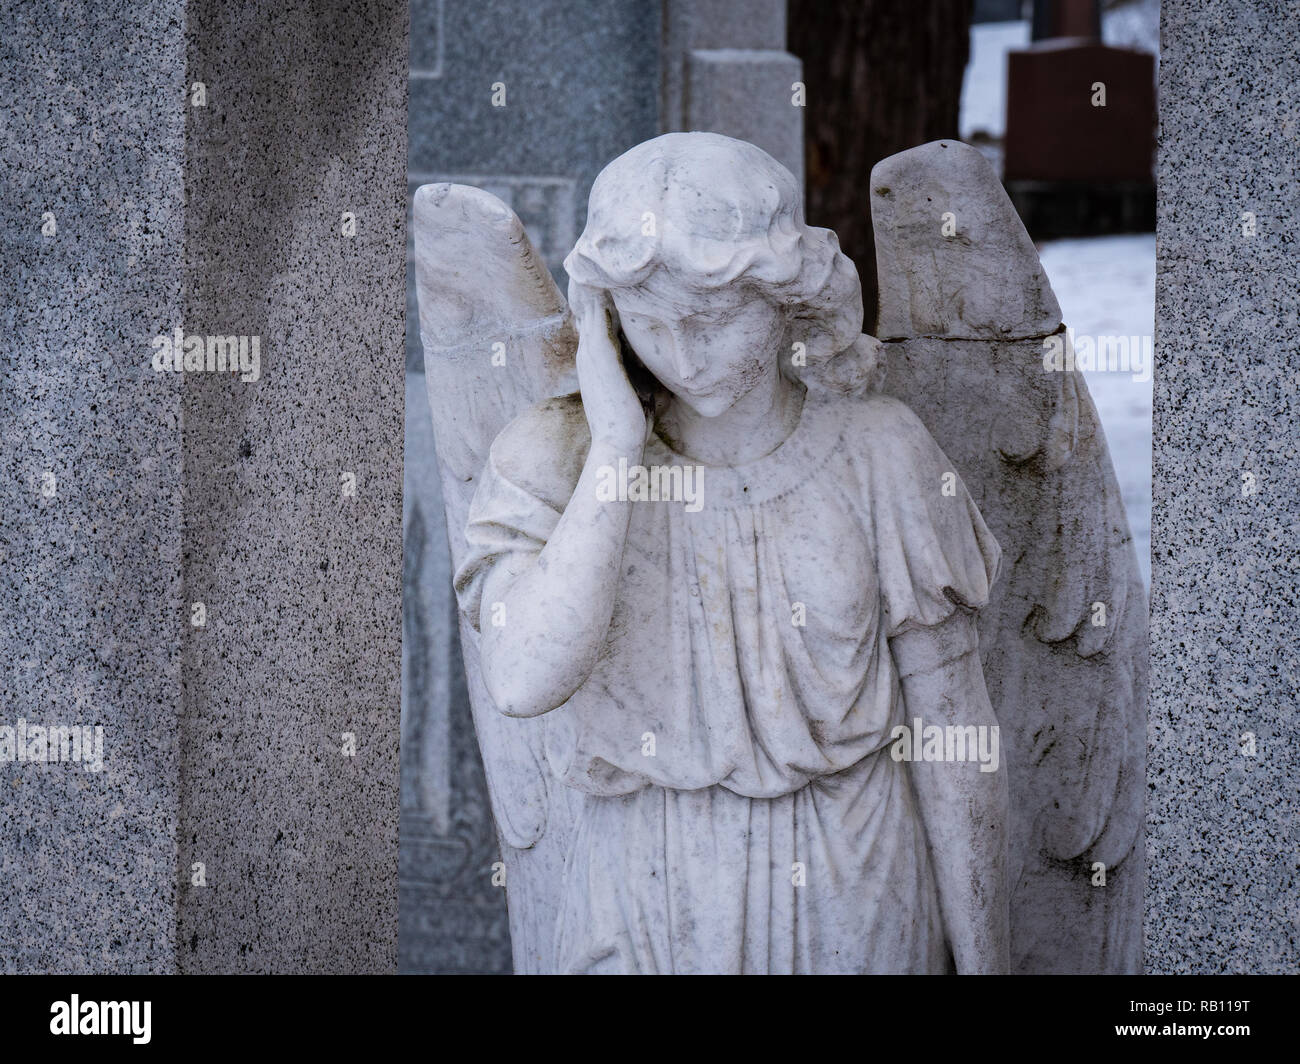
(882, 76)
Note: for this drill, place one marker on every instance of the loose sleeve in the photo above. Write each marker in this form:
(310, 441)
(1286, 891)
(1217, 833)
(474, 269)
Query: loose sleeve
(526, 483)
(934, 553)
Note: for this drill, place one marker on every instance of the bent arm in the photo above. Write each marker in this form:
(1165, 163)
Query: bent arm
(544, 624)
(964, 809)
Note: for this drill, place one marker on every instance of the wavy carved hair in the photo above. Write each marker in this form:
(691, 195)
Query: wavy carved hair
(705, 211)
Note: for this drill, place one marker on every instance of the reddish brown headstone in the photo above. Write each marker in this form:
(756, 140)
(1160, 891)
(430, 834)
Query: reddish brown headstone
(1055, 130)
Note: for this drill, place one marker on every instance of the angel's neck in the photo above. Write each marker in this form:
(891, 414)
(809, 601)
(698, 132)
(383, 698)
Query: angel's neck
(754, 426)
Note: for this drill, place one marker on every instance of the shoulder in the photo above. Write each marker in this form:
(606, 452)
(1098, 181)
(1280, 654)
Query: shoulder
(933, 549)
(882, 417)
(882, 432)
(543, 450)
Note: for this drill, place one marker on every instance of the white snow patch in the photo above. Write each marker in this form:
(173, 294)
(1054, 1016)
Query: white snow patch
(1107, 287)
(984, 85)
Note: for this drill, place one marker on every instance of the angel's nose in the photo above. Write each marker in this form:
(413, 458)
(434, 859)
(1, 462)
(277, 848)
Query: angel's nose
(687, 364)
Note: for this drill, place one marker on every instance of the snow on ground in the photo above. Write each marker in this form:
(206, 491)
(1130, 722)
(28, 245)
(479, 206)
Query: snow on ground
(984, 86)
(1107, 288)
(1135, 24)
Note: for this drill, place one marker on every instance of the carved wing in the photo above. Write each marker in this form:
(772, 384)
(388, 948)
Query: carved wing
(964, 319)
(497, 338)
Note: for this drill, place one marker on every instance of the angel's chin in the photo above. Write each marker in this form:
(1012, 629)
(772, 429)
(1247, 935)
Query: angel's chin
(707, 405)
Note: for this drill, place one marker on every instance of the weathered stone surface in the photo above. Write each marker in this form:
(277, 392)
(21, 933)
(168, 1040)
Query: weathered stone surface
(696, 733)
(1223, 827)
(1064, 635)
(491, 347)
(971, 270)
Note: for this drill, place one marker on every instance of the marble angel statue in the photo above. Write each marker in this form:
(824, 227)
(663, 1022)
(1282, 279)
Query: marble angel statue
(723, 596)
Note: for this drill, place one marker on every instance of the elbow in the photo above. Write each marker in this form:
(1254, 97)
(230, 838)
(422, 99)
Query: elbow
(512, 698)
(530, 677)
(517, 691)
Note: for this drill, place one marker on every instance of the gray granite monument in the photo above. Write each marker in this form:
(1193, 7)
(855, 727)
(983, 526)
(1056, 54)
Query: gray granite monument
(201, 393)
(1223, 810)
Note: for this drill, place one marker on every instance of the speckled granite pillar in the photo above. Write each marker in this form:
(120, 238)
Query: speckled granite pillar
(296, 184)
(90, 270)
(206, 568)
(1223, 784)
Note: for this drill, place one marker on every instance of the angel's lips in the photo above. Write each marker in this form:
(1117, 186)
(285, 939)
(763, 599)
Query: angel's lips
(697, 392)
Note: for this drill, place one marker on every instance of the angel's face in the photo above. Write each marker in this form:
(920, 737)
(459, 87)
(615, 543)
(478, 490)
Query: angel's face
(709, 350)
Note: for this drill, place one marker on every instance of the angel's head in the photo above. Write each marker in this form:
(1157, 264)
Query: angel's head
(700, 242)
